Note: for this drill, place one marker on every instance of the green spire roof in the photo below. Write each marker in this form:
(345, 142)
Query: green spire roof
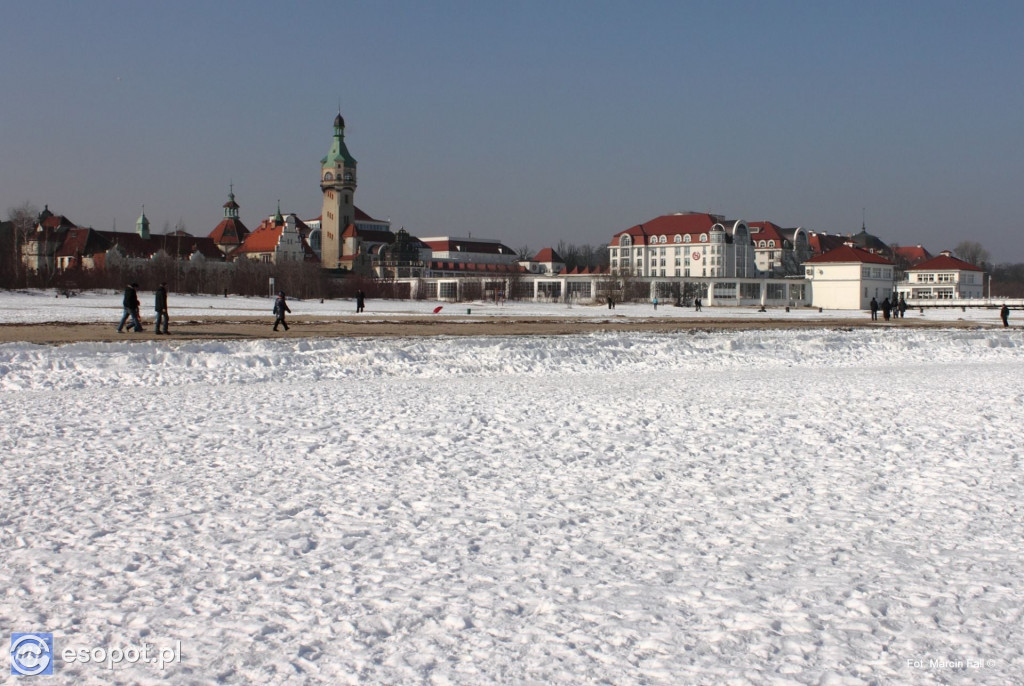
(339, 154)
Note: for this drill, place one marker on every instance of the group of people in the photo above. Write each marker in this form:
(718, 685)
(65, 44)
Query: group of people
(895, 309)
(131, 306)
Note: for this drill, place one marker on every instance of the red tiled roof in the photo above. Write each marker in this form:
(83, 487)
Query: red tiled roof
(823, 242)
(766, 231)
(585, 270)
(945, 263)
(265, 239)
(79, 241)
(363, 217)
(913, 254)
(475, 267)
(180, 245)
(58, 222)
(469, 246)
(547, 255)
(368, 235)
(230, 231)
(694, 223)
(846, 253)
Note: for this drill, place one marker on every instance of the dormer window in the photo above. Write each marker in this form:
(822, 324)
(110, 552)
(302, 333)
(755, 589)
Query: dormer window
(703, 238)
(661, 239)
(625, 240)
(328, 176)
(677, 239)
(761, 244)
(771, 244)
(686, 238)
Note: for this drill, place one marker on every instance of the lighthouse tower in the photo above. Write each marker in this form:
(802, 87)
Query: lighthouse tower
(338, 183)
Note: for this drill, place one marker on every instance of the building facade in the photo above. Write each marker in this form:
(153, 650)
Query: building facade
(847, 278)
(943, 278)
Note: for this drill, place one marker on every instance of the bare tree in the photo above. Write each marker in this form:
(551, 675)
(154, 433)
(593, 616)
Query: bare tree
(971, 251)
(524, 253)
(22, 220)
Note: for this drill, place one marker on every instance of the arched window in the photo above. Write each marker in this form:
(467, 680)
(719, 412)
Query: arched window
(761, 244)
(703, 238)
(328, 176)
(771, 244)
(625, 240)
(677, 239)
(661, 239)
(686, 238)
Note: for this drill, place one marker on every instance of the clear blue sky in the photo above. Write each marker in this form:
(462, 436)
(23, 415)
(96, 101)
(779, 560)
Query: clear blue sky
(525, 121)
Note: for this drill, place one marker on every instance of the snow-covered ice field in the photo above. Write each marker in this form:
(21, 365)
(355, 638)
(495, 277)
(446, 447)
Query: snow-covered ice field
(35, 307)
(766, 507)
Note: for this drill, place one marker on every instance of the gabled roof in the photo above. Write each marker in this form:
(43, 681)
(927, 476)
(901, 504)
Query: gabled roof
(57, 222)
(547, 255)
(265, 239)
(848, 254)
(945, 263)
(79, 241)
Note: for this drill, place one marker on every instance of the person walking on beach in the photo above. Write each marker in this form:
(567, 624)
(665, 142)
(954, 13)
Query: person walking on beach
(131, 308)
(360, 301)
(696, 304)
(1004, 314)
(886, 309)
(655, 303)
(902, 306)
(160, 305)
(280, 308)
(611, 303)
(874, 310)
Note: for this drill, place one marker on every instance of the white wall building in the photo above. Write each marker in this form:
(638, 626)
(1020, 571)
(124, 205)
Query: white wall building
(686, 244)
(943, 278)
(847, 278)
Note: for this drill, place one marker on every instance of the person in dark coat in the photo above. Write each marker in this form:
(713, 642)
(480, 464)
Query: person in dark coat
(131, 308)
(1004, 314)
(886, 309)
(874, 309)
(902, 307)
(280, 308)
(360, 300)
(160, 305)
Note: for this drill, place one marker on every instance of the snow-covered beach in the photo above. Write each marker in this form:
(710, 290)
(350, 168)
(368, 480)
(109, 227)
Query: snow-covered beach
(785, 506)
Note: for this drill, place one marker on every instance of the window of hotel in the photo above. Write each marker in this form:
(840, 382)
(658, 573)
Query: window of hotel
(677, 239)
(686, 238)
(661, 239)
(761, 244)
(703, 238)
(771, 244)
(945, 278)
(625, 240)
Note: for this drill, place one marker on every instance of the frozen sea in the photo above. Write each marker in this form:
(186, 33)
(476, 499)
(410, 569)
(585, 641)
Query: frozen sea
(750, 507)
